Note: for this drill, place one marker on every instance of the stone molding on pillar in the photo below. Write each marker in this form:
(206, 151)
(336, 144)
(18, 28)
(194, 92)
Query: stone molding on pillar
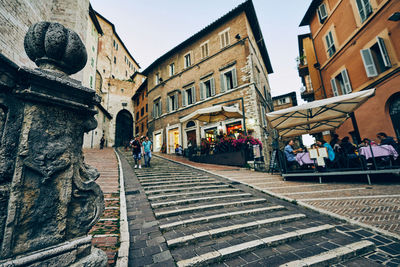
(48, 195)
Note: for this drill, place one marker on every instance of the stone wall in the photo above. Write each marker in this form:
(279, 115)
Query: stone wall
(17, 16)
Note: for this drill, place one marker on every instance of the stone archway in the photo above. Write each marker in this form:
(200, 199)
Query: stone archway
(123, 128)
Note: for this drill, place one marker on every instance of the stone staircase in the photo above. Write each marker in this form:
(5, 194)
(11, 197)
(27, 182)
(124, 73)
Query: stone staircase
(207, 220)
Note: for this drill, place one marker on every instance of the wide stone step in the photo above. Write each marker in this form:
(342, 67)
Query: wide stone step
(161, 174)
(181, 241)
(196, 200)
(183, 189)
(183, 177)
(162, 182)
(168, 213)
(232, 251)
(336, 255)
(198, 193)
(205, 219)
(187, 184)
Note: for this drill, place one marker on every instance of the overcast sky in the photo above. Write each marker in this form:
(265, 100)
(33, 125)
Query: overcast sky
(150, 28)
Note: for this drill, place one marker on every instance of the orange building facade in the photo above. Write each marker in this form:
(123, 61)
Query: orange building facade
(357, 47)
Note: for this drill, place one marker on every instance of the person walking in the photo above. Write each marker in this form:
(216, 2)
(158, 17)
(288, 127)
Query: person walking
(102, 141)
(136, 151)
(147, 147)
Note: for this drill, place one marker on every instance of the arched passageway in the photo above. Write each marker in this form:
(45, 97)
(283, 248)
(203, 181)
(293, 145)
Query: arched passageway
(123, 128)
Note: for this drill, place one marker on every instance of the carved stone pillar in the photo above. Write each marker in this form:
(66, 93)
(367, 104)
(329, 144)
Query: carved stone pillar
(48, 196)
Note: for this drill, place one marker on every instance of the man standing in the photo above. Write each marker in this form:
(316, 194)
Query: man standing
(136, 151)
(147, 147)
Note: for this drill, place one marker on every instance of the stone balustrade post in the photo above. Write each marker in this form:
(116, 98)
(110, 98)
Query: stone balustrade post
(48, 195)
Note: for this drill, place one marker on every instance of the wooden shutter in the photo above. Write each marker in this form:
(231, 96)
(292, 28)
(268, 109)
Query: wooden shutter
(160, 108)
(334, 87)
(369, 64)
(361, 10)
(202, 93)
(176, 103)
(184, 98)
(212, 84)
(223, 83)
(194, 94)
(234, 78)
(153, 111)
(384, 53)
(168, 104)
(346, 81)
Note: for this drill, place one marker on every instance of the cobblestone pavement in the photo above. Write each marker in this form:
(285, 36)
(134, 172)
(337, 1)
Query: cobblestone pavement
(377, 205)
(185, 216)
(106, 231)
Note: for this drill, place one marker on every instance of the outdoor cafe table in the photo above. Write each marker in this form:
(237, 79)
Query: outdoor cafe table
(304, 158)
(378, 151)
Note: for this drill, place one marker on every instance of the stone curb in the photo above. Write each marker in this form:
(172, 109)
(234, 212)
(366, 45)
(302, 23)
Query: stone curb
(300, 203)
(123, 251)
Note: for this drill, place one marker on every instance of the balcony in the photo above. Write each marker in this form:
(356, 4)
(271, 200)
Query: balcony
(302, 66)
(307, 94)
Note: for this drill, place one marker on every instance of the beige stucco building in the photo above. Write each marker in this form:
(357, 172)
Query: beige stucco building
(116, 84)
(227, 64)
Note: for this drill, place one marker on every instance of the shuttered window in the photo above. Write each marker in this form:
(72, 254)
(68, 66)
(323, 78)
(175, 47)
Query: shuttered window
(322, 13)
(330, 44)
(364, 9)
(224, 38)
(341, 84)
(207, 88)
(228, 80)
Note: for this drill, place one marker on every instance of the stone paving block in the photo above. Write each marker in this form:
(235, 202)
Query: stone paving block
(162, 256)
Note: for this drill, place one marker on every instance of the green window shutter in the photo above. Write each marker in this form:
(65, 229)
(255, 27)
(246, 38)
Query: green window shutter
(234, 78)
(334, 87)
(202, 93)
(183, 98)
(176, 100)
(160, 108)
(346, 81)
(361, 10)
(212, 84)
(168, 105)
(153, 111)
(384, 53)
(223, 83)
(369, 64)
(194, 94)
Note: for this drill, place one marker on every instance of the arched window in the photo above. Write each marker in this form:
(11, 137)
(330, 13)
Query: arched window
(394, 111)
(190, 124)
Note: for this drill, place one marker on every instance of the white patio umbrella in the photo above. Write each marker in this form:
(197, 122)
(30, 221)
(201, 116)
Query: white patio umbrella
(214, 114)
(317, 116)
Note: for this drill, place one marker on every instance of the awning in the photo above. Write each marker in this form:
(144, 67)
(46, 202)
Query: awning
(214, 114)
(317, 116)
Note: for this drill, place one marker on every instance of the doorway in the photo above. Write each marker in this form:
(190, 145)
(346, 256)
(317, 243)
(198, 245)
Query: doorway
(123, 128)
(173, 140)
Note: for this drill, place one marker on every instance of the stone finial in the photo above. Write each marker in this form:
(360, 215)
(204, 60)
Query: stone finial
(53, 47)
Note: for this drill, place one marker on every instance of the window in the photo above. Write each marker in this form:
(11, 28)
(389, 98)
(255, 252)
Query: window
(137, 115)
(330, 44)
(207, 88)
(308, 82)
(147, 107)
(322, 13)
(364, 9)
(92, 62)
(204, 50)
(224, 38)
(376, 58)
(157, 109)
(157, 78)
(341, 84)
(171, 69)
(282, 101)
(189, 96)
(172, 102)
(137, 130)
(115, 60)
(263, 115)
(91, 82)
(188, 61)
(142, 112)
(228, 80)
(137, 101)
(126, 73)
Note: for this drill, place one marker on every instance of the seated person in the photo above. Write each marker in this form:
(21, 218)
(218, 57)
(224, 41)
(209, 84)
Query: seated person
(290, 153)
(387, 140)
(366, 142)
(178, 150)
(348, 148)
(331, 153)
